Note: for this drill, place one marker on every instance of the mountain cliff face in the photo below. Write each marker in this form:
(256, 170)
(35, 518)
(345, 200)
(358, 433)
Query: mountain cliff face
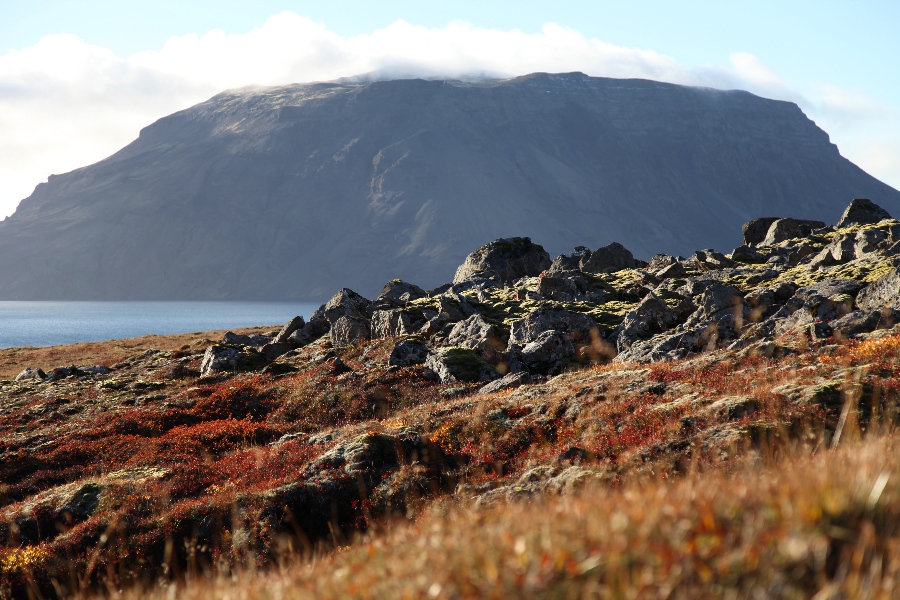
(292, 192)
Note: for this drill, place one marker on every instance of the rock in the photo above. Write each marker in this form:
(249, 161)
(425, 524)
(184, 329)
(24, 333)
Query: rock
(295, 324)
(841, 250)
(716, 299)
(59, 373)
(504, 261)
(827, 395)
(868, 241)
(317, 326)
(865, 321)
(815, 293)
(276, 349)
(31, 375)
(549, 353)
(349, 331)
(862, 211)
(92, 370)
(732, 407)
(755, 231)
(710, 260)
(576, 325)
(408, 352)
(476, 334)
(650, 317)
(788, 229)
(607, 259)
(391, 323)
(660, 262)
(235, 339)
(225, 358)
(347, 303)
(571, 261)
(507, 382)
(459, 364)
(399, 293)
(884, 292)
(561, 289)
(746, 254)
(674, 271)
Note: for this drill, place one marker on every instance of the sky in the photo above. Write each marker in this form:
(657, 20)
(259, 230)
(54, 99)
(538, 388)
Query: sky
(80, 78)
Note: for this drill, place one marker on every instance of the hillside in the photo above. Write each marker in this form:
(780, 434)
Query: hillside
(735, 415)
(292, 192)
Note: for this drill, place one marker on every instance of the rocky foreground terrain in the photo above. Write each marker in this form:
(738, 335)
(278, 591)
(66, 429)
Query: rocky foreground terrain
(523, 378)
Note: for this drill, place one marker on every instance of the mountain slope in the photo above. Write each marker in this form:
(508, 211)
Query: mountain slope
(292, 192)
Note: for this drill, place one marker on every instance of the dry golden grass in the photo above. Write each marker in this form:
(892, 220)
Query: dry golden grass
(14, 360)
(823, 526)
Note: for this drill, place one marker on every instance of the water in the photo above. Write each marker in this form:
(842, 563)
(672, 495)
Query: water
(52, 323)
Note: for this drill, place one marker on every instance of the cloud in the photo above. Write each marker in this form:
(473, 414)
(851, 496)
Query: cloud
(65, 103)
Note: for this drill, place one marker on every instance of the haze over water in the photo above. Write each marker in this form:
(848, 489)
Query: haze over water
(55, 322)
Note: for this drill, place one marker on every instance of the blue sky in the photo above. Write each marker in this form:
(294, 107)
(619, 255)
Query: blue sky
(70, 100)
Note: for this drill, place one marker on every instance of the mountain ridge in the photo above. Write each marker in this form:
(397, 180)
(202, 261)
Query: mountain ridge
(288, 192)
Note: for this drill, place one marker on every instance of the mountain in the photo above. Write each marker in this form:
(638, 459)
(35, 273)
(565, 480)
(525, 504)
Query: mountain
(292, 192)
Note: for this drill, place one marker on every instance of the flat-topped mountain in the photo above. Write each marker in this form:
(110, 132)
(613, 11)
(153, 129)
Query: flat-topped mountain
(294, 191)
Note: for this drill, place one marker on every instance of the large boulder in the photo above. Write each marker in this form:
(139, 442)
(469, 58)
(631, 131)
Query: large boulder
(576, 326)
(349, 331)
(29, 374)
(407, 353)
(862, 211)
(476, 334)
(230, 359)
(882, 293)
(571, 261)
(347, 303)
(548, 353)
(650, 317)
(399, 293)
(504, 261)
(610, 258)
(789, 229)
(755, 231)
(459, 364)
(390, 323)
(295, 324)
(236, 339)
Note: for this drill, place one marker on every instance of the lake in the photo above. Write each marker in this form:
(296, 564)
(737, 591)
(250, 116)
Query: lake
(52, 323)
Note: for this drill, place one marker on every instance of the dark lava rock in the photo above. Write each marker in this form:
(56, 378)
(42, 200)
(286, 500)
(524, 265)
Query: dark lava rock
(755, 231)
(399, 292)
(788, 229)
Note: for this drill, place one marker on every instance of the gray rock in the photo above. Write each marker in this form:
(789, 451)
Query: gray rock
(507, 382)
(841, 250)
(613, 257)
(561, 289)
(674, 271)
(235, 339)
(868, 241)
(650, 317)
(459, 364)
(92, 370)
(276, 349)
(407, 353)
(224, 358)
(865, 321)
(862, 211)
(349, 331)
(399, 293)
(576, 325)
(571, 261)
(347, 303)
(710, 260)
(788, 229)
(881, 293)
(295, 324)
(310, 332)
(504, 261)
(476, 334)
(746, 254)
(391, 323)
(549, 352)
(755, 231)
(31, 375)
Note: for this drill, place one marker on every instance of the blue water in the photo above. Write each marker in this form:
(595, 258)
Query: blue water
(52, 323)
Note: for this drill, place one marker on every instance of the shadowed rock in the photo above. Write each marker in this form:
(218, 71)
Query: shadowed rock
(862, 211)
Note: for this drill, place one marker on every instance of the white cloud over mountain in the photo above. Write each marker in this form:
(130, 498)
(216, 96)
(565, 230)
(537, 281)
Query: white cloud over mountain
(65, 103)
